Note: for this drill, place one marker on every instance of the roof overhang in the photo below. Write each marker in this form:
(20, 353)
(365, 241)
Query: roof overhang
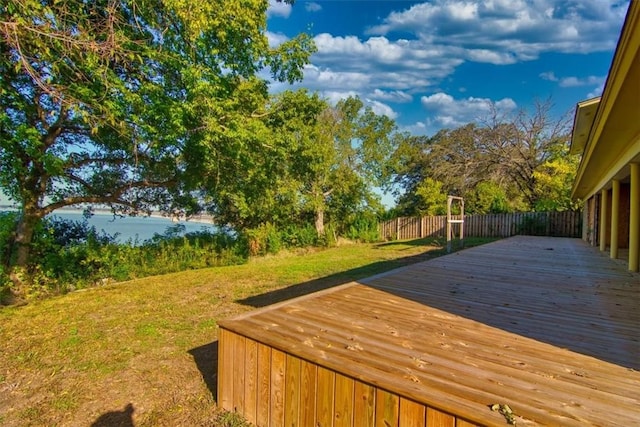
(582, 123)
(607, 131)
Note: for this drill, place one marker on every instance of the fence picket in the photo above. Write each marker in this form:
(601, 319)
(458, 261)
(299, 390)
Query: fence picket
(553, 224)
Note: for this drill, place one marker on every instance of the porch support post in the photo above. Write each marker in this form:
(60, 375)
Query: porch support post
(615, 212)
(604, 201)
(634, 218)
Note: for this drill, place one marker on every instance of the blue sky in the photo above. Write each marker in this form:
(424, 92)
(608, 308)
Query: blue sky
(443, 63)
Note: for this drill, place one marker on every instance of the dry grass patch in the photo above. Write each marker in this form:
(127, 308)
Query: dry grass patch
(145, 350)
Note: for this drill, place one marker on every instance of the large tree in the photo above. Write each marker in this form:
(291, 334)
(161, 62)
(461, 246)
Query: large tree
(502, 164)
(115, 102)
(344, 160)
(320, 164)
(517, 149)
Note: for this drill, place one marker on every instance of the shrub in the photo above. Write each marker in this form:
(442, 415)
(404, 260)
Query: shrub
(295, 236)
(8, 223)
(363, 228)
(263, 240)
(69, 255)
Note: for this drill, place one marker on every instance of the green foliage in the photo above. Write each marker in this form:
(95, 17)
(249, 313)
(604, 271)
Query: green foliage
(364, 228)
(325, 161)
(137, 105)
(5, 286)
(554, 181)
(70, 255)
(263, 240)
(330, 237)
(431, 198)
(294, 236)
(516, 163)
(486, 197)
(8, 224)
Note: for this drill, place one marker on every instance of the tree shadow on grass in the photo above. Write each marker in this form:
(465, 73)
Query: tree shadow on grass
(206, 358)
(425, 241)
(366, 271)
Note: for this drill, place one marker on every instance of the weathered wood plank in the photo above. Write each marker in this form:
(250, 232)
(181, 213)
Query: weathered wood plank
(387, 409)
(308, 395)
(225, 369)
(292, 391)
(364, 404)
(325, 397)
(238, 373)
(412, 414)
(344, 401)
(264, 385)
(251, 380)
(278, 372)
(437, 418)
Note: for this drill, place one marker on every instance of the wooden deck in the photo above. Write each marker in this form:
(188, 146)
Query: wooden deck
(549, 326)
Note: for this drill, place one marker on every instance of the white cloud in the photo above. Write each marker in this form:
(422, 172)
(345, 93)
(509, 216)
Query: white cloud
(597, 91)
(462, 11)
(572, 81)
(276, 39)
(381, 108)
(490, 56)
(506, 31)
(312, 7)
(418, 128)
(378, 48)
(581, 81)
(280, 9)
(548, 75)
(449, 112)
(334, 96)
(396, 65)
(391, 96)
(440, 35)
(324, 78)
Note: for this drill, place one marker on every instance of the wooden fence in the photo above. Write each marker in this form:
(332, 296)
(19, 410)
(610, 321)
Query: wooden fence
(555, 224)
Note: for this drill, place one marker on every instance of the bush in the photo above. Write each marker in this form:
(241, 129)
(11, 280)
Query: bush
(363, 228)
(69, 255)
(5, 286)
(299, 236)
(263, 240)
(8, 223)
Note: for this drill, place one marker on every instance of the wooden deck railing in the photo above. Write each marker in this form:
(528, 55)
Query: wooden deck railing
(552, 224)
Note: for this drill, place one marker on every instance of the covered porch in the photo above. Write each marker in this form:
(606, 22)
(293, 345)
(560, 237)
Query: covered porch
(606, 132)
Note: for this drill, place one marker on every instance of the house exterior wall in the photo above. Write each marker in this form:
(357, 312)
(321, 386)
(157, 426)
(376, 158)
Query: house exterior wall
(591, 218)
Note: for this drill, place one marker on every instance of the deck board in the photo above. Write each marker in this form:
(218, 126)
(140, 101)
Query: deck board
(549, 326)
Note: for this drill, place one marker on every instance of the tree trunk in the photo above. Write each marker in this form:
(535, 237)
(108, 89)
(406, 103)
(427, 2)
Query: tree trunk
(320, 221)
(23, 237)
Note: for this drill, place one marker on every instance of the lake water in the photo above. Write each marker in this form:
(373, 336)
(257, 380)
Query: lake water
(132, 228)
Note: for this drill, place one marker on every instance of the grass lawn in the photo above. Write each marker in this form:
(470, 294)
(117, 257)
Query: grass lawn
(145, 350)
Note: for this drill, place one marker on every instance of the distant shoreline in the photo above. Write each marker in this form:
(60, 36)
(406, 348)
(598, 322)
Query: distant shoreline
(201, 218)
